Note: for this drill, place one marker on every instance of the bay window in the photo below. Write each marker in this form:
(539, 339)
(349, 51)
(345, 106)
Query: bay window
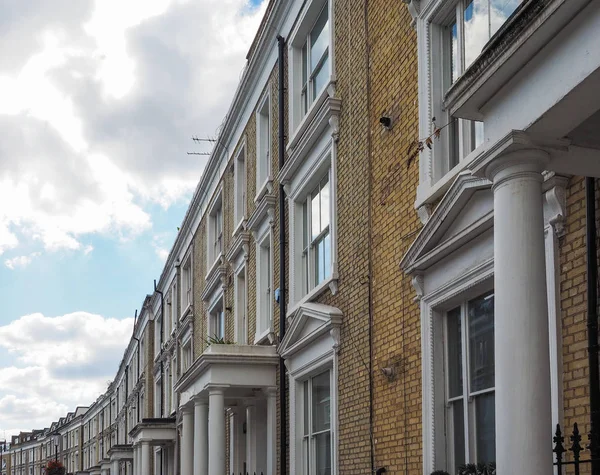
(470, 398)
(316, 433)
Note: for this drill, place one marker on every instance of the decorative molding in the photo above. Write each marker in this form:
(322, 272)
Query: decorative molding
(418, 283)
(218, 274)
(324, 115)
(447, 210)
(240, 245)
(335, 333)
(555, 201)
(424, 212)
(264, 209)
(329, 318)
(414, 8)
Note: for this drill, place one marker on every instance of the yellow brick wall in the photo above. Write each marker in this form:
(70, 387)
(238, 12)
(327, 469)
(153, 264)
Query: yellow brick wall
(391, 43)
(573, 298)
(396, 332)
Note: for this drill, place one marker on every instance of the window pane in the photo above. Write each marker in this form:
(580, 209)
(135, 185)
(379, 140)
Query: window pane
(305, 451)
(477, 134)
(321, 77)
(455, 376)
(500, 10)
(327, 257)
(481, 342)
(323, 455)
(458, 423)
(477, 29)
(325, 203)
(315, 213)
(319, 39)
(304, 64)
(454, 66)
(306, 408)
(321, 401)
(305, 230)
(485, 422)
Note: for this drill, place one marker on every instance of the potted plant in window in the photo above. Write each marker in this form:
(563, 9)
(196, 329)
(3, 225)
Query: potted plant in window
(54, 467)
(477, 469)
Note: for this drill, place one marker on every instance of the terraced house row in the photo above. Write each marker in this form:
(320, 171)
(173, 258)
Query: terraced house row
(389, 264)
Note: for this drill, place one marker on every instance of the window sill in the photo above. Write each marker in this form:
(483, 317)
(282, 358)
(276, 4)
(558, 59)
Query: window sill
(331, 284)
(240, 227)
(263, 337)
(266, 187)
(427, 195)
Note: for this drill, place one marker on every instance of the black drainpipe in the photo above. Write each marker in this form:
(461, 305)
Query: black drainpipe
(282, 279)
(592, 323)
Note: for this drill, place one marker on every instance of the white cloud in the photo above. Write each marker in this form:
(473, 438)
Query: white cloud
(97, 106)
(61, 362)
(21, 261)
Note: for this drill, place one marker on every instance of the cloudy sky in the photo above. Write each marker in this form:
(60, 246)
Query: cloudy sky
(99, 100)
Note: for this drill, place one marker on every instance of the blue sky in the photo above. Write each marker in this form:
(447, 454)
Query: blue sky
(99, 100)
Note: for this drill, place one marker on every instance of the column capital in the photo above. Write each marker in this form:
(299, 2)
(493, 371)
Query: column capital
(199, 400)
(216, 390)
(514, 155)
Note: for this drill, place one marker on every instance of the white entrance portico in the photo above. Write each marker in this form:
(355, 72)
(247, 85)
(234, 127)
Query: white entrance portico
(234, 382)
(119, 456)
(147, 435)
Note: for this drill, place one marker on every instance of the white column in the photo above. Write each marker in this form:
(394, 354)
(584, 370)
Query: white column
(216, 430)
(114, 470)
(523, 397)
(145, 458)
(136, 460)
(200, 437)
(250, 440)
(271, 431)
(187, 442)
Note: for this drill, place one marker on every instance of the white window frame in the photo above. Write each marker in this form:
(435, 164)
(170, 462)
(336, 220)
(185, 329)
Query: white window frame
(467, 396)
(240, 187)
(264, 177)
(308, 354)
(321, 161)
(264, 285)
(434, 58)
(308, 434)
(215, 231)
(298, 38)
(240, 290)
(187, 278)
(157, 340)
(217, 303)
(187, 353)
(158, 395)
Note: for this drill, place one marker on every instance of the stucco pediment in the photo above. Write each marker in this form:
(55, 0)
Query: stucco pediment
(465, 211)
(309, 321)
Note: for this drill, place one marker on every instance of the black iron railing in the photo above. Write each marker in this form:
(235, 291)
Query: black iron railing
(563, 460)
(247, 473)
